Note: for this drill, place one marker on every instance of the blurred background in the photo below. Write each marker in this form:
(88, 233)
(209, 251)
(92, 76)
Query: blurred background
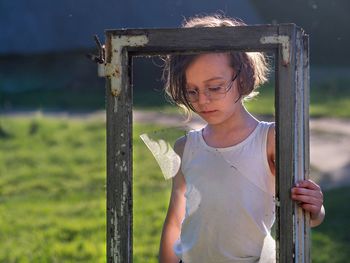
(52, 123)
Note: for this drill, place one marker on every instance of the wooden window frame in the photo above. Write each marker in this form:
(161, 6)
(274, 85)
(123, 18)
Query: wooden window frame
(290, 45)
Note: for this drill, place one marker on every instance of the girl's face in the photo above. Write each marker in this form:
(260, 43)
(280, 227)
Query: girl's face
(207, 73)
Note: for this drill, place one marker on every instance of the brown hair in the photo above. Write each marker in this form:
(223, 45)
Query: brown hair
(254, 67)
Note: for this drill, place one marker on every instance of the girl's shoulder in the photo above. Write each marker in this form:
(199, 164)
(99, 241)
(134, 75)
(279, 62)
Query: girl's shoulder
(187, 141)
(179, 145)
(267, 124)
(269, 127)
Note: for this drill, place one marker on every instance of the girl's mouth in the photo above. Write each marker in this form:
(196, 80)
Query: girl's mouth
(208, 112)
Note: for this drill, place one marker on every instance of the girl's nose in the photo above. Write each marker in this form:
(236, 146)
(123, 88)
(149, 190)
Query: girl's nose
(203, 98)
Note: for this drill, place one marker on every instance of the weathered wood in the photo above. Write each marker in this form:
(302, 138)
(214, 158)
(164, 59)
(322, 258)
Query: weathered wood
(291, 103)
(292, 147)
(299, 146)
(306, 75)
(245, 38)
(300, 226)
(285, 103)
(119, 164)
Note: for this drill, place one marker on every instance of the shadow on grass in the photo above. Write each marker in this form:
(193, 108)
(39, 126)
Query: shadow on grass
(331, 239)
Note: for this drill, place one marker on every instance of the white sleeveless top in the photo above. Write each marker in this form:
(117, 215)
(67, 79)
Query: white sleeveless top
(229, 201)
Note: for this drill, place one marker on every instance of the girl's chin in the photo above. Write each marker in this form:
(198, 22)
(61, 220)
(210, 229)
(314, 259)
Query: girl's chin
(208, 119)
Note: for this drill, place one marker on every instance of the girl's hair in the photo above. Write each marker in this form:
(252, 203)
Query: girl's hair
(254, 66)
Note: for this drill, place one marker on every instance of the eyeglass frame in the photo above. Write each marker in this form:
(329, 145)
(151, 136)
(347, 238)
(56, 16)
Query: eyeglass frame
(206, 90)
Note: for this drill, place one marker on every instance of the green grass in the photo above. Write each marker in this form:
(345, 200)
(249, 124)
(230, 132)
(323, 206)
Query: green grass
(331, 239)
(52, 195)
(52, 190)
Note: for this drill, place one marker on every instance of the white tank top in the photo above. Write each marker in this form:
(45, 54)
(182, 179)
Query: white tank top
(229, 201)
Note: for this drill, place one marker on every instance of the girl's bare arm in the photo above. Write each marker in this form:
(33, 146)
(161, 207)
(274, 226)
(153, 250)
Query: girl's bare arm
(175, 214)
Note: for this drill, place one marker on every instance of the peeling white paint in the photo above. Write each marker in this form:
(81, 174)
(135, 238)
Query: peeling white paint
(112, 218)
(283, 41)
(115, 107)
(277, 202)
(123, 199)
(123, 167)
(115, 248)
(101, 70)
(115, 241)
(123, 145)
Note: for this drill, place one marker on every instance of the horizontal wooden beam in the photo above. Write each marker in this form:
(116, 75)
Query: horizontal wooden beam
(244, 38)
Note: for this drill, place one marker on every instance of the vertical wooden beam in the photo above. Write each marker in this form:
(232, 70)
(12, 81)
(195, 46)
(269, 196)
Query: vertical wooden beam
(119, 146)
(306, 136)
(301, 145)
(299, 142)
(292, 147)
(119, 159)
(300, 165)
(285, 133)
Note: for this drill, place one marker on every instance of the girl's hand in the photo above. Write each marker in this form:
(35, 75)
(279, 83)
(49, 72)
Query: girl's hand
(310, 197)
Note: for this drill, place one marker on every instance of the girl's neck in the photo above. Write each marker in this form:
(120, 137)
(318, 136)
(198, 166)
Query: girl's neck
(240, 120)
(232, 131)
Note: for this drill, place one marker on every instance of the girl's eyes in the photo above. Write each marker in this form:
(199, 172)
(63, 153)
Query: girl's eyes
(192, 92)
(217, 88)
(213, 89)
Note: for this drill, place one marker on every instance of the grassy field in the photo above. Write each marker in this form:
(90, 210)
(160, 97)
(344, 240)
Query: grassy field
(52, 195)
(52, 190)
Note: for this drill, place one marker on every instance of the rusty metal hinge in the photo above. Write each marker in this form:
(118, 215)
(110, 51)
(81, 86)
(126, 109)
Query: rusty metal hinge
(100, 59)
(112, 70)
(104, 69)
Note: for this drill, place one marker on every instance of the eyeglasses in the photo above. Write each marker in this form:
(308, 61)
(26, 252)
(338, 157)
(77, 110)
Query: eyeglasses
(212, 93)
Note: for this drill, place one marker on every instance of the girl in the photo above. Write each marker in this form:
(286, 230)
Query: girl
(222, 201)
